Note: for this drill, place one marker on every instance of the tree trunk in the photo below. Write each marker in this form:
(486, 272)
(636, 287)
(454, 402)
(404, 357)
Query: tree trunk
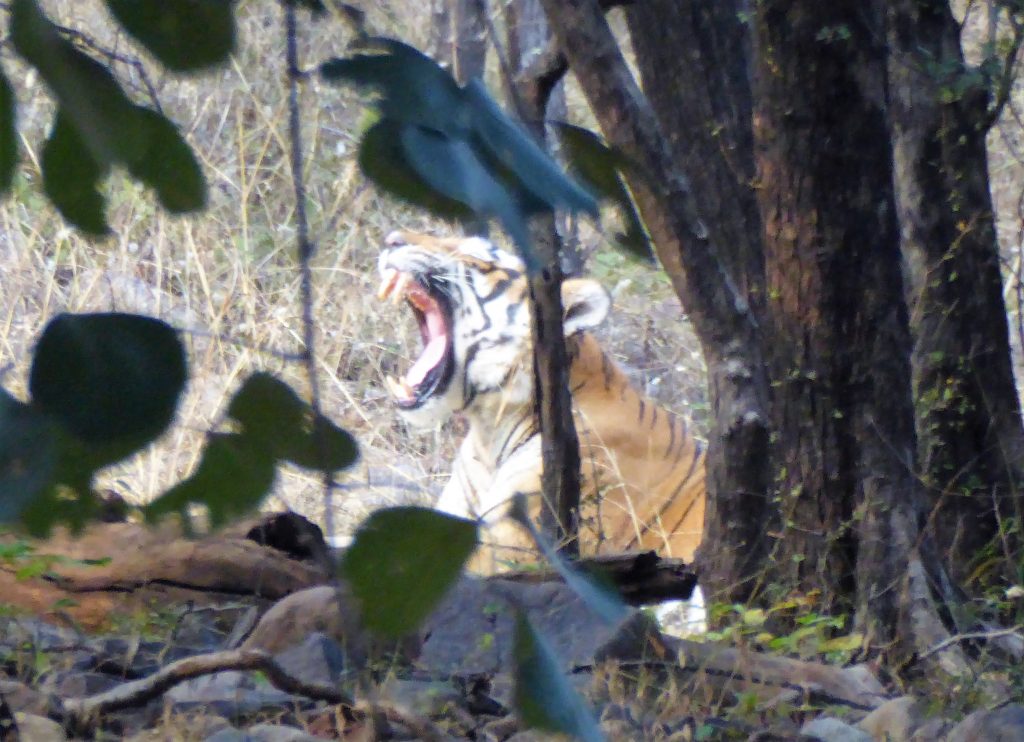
(695, 262)
(842, 410)
(458, 37)
(531, 89)
(693, 59)
(971, 443)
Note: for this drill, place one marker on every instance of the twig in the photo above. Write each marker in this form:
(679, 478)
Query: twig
(306, 249)
(82, 712)
(972, 636)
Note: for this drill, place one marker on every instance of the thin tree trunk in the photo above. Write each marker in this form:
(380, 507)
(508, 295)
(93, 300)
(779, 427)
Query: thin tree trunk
(693, 58)
(459, 37)
(971, 443)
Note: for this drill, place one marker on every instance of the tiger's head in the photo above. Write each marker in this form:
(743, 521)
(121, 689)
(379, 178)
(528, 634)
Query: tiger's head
(471, 302)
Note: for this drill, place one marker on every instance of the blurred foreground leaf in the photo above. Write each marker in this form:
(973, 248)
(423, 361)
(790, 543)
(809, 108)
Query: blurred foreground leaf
(402, 562)
(96, 116)
(273, 414)
(597, 592)
(455, 142)
(27, 456)
(112, 380)
(543, 698)
(600, 168)
(8, 136)
(234, 474)
(185, 35)
(71, 176)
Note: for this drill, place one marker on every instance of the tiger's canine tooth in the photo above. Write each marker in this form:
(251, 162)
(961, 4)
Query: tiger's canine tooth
(400, 285)
(387, 283)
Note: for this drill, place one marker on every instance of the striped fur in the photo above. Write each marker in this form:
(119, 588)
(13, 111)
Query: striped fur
(642, 471)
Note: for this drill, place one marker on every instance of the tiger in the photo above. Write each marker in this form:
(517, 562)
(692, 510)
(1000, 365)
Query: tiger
(642, 471)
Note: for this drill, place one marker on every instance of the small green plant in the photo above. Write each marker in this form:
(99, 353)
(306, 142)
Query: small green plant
(809, 634)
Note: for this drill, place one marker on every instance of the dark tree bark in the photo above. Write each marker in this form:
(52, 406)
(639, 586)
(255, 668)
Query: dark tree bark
(835, 329)
(693, 59)
(842, 409)
(531, 83)
(459, 37)
(700, 273)
(971, 443)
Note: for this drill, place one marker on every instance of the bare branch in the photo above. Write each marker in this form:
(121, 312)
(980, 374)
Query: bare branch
(82, 712)
(306, 249)
(973, 636)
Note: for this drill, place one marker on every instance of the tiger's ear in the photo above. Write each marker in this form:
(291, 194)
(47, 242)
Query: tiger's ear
(585, 303)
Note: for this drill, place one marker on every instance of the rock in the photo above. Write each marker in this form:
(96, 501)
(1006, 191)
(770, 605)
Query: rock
(471, 632)
(78, 684)
(21, 697)
(278, 733)
(200, 726)
(39, 728)
(318, 659)
(229, 694)
(1005, 724)
(423, 697)
(827, 729)
(330, 611)
(896, 719)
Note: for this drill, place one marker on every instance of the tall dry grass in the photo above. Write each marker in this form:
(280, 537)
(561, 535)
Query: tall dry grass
(228, 277)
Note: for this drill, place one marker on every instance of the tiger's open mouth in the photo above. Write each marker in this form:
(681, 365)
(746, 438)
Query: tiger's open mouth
(432, 371)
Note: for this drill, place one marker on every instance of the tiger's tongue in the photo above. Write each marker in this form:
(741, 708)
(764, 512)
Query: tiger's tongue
(436, 340)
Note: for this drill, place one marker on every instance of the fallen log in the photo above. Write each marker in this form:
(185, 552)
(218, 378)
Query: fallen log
(642, 577)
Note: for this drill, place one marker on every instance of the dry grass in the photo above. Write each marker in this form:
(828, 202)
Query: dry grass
(229, 275)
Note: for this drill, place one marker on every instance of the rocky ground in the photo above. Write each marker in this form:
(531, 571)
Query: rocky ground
(228, 639)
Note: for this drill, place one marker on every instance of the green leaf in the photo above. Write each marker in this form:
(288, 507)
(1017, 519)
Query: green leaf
(323, 447)
(268, 409)
(382, 159)
(185, 35)
(233, 476)
(543, 698)
(452, 168)
(113, 380)
(514, 148)
(85, 89)
(601, 596)
(271, 412)
(8, 135)
(71, 175)
(165, 162)
(27, 456)
(108, 124)
(385, 565)
(414, 89)
(600, 168)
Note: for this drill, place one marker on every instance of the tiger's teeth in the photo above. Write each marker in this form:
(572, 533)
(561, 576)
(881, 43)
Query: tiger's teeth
(399, 387)
(387, 284)
(399, 290)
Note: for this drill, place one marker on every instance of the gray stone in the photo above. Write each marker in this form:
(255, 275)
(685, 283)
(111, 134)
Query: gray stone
(79, 684)
(896, 719)
(318, 659)
(423, 697)
(471, 632)
(278, 733)
(230, 735)
(39, 728)
(21, 697)
(229, 694)
(1005, 724)
(827, 729)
